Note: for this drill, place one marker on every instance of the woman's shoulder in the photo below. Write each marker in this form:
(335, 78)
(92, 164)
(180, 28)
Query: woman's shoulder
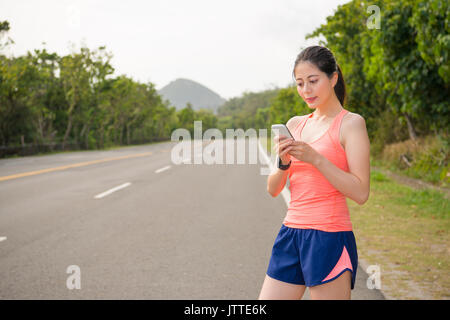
(294, 122)
(351, 119)
(351, 124)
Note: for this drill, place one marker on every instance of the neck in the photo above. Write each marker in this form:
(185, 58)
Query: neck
(329, 109)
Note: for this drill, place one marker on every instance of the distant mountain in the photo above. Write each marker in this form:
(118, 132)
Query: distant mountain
(181, 91)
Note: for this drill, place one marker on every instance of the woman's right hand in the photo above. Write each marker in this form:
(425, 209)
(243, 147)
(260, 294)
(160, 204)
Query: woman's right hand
(282, 147)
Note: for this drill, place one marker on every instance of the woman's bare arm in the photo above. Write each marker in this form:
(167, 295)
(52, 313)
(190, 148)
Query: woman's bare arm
(356, 183)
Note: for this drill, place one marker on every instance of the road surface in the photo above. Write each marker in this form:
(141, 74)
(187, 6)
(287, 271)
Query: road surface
(136, 226)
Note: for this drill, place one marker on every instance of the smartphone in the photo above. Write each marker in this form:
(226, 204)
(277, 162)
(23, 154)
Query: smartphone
(281, 129)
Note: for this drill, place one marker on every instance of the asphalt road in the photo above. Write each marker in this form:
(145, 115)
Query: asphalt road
(188, 231)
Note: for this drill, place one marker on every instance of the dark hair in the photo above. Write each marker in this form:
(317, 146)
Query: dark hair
(323, 59)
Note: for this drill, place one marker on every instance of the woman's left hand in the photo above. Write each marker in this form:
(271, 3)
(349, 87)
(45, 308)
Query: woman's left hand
(304, 152)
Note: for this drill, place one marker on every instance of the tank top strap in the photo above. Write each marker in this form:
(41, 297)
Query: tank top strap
(336, 125)
(301, 122)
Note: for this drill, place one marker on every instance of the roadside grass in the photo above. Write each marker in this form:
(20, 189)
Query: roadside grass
(426, 159)
(406, 232)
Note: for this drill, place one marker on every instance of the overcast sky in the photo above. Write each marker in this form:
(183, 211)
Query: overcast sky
(229, 46)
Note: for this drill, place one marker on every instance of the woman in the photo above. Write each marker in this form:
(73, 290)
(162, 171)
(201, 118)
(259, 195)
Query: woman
(327, 162)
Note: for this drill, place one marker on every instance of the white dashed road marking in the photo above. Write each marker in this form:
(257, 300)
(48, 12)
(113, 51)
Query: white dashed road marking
(162, 169)
(104, 194)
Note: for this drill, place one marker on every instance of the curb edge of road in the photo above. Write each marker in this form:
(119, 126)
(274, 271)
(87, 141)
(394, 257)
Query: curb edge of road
(363, 263)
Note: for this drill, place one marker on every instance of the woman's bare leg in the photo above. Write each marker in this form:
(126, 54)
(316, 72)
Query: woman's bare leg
(338, 289)
(273, 289)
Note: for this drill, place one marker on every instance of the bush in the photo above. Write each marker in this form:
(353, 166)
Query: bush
(388, 130)
(427, 158)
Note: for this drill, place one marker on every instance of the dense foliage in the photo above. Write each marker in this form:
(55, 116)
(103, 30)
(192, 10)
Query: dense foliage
(397, 71)
(397, 75)
(76, 102)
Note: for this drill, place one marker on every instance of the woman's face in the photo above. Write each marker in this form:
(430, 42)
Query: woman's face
(313, 85)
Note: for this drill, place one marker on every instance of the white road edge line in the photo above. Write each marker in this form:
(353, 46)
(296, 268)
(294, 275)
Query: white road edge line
(162, 169)
(104, 194)
(285, 192)
(3, 238)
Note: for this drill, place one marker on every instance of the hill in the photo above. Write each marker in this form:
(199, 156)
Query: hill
(181, 91)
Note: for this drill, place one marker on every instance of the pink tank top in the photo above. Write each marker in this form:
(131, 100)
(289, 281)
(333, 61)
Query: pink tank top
(315, 203)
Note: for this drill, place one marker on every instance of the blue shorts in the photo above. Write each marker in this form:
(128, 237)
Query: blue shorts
(311, 257)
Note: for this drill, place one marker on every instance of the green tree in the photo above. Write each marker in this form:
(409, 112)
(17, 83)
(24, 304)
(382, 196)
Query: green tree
(16, 75)
(286, 104)
(186, 118)
(414, 90)
(397, 67)
(45, 96)
(431, 20)
(80, 74)
(241, 111)
(345, 32)
(207, 117)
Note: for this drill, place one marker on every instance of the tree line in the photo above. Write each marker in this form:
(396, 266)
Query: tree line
(75, 101)
(397, 76)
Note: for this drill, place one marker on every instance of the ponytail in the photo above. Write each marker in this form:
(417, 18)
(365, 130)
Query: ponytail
(339, 88)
